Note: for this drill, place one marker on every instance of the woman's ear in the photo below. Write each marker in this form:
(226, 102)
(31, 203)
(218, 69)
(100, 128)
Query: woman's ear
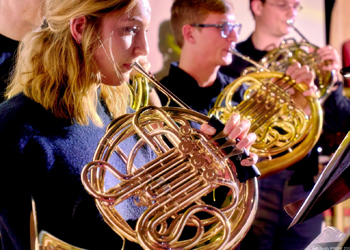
(76, 28)
(187, 32)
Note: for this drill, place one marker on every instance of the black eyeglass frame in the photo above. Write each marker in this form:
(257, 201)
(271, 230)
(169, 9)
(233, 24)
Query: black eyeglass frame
(222, 27)
(286, 6)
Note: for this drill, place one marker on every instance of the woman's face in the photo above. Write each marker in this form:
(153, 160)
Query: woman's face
(123, 41)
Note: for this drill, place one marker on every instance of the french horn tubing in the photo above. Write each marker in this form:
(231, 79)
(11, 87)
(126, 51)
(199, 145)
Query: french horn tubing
(174, 186)
(286, 129)
(304, 52)
(139, 89)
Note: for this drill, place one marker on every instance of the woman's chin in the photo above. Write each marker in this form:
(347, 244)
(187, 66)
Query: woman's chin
(126, 76)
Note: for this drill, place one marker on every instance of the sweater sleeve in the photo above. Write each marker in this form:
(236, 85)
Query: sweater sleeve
(15, 192)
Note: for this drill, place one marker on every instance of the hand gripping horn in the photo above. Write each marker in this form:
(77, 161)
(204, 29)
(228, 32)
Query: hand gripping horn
(174, 189)
(304, 52)
(287, 123)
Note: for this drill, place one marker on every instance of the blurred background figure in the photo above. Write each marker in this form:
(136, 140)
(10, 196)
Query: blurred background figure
(168, 48)
(17, 18)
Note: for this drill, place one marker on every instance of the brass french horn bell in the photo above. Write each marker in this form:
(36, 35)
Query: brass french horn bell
(170, 188)
(286, 130)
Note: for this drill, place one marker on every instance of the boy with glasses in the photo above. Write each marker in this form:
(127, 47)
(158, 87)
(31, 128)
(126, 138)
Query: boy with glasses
(206, 30)
(269, 230)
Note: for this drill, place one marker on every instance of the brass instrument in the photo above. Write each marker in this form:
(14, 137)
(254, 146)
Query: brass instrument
(189, 165)
(303, 52)
(286, 129)
(139, 89)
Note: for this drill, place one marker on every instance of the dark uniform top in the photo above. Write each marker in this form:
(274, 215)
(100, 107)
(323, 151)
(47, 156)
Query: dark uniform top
(186, 88)
(7, 59)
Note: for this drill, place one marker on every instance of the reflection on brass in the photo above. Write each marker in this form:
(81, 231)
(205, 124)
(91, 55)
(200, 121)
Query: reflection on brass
(139, 89)
(188, 166)
(49, 242)
(287, 123)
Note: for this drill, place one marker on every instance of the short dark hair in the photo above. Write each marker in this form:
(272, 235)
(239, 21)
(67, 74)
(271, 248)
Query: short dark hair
(194, 11)
(250, 5)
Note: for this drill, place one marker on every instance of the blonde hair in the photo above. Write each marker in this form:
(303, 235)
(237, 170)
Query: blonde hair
(61, 75)
(194, 12)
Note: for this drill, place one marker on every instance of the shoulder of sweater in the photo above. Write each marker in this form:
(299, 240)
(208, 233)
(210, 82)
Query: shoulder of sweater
(17, 108)
(21, 117)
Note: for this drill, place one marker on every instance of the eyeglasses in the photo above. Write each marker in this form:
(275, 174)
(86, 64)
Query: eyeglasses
(286, 6)
(226, 28)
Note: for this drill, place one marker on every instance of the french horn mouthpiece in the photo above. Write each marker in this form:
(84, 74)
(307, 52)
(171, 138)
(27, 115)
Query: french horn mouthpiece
(290, 22)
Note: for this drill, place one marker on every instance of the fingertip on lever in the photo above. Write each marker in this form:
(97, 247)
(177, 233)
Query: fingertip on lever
(244, 173)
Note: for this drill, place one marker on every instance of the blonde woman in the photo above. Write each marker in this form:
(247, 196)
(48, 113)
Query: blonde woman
(67, 87)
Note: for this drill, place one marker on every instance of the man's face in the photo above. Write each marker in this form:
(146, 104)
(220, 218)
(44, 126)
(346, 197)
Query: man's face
(210, 42)
(29, 11)
(273, 16)
(123, 42)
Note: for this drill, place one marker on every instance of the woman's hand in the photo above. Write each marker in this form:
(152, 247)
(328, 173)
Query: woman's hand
(237, 129)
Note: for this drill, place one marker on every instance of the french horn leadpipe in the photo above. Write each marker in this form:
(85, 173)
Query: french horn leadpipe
(290, 22)
(175, 186)
(136, 66)
(248, 59)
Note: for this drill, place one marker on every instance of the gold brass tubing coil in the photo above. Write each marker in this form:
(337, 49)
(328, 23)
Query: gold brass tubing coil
(286, 130)
(188, 167)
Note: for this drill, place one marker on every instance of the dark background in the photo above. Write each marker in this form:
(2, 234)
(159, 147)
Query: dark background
(328, 8)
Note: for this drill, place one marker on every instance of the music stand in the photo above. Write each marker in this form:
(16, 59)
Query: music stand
(331, 188)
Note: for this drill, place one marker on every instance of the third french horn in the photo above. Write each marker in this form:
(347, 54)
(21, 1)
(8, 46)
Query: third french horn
(287, 123)
(304, 52)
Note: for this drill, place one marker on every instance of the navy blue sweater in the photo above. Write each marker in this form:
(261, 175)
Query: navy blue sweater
(42, 157)
(8, 50)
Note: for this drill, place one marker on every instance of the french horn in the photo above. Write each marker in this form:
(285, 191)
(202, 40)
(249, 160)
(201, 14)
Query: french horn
(286, 130)
(304, 52)
(174, 186)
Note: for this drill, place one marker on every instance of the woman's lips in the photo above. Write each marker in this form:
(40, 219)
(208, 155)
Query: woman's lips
(127, 66)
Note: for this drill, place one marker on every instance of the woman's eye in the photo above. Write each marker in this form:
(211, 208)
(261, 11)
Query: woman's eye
(132, 30)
